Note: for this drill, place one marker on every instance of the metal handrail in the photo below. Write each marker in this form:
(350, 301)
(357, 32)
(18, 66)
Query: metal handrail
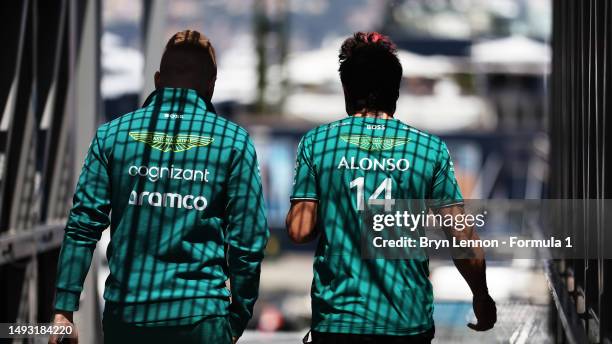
(565, 305)
(15, 245)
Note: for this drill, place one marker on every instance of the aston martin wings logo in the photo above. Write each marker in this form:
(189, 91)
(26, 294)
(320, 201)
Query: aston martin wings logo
(175, 143)
(374, 143)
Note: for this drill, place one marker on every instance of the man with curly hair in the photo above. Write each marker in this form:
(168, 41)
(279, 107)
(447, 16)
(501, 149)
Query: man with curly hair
(353, 165)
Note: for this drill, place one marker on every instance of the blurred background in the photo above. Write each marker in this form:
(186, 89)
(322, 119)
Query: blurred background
(478, 73)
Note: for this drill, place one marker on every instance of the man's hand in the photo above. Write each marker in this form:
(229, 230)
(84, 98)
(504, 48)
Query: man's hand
(472, 266)
(485, 311)
(234, 340)
(64, 318)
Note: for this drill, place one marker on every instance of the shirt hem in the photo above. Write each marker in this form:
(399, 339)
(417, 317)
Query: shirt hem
(372, 330)
(140, 314)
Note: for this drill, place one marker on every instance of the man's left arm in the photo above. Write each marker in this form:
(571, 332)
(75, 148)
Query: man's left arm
(88, 217)
(301, 221)
(302, 217)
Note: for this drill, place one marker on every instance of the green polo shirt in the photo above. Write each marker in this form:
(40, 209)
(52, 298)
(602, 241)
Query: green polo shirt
(346, 166)
(180, 189)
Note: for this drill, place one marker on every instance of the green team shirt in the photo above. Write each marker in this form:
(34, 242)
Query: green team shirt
(180, 189)
(343, 165)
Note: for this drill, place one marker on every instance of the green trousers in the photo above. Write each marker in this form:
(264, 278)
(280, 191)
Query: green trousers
(211, 330)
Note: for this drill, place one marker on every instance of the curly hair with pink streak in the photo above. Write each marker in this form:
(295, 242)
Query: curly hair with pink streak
(370, 72)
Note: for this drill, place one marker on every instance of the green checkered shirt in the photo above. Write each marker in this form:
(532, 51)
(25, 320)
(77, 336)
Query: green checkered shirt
(180, 189)
(346, 166)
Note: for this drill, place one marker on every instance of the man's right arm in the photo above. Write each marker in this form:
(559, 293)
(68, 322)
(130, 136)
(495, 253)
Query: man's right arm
(472, 266)
(446, 199)
(247, 234)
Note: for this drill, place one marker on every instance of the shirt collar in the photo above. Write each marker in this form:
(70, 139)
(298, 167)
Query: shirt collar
(178, 98)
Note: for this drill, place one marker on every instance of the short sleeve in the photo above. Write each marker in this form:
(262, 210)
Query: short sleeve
(444, 189)
(305, 178)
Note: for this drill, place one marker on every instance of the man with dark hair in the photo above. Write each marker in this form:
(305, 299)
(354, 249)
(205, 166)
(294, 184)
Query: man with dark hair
(183, 191)
(370, 73)
(343, 171)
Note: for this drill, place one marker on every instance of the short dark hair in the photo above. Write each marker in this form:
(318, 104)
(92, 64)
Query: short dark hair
(370, 72)
(189, 57)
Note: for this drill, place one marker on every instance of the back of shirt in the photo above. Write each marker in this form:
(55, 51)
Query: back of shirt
(181, 184)
(348, 166)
